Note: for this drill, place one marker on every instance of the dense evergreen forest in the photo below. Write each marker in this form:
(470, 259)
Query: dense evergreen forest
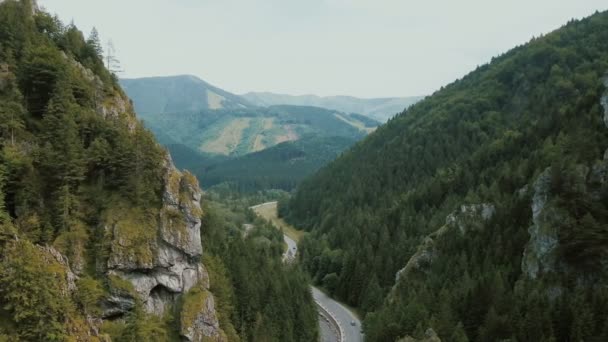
(491, 192)
(279, 167)
(90, 204)
(258, 296)
(320, 138)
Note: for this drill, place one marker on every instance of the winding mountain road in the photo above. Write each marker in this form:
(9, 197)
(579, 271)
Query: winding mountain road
(349, 324)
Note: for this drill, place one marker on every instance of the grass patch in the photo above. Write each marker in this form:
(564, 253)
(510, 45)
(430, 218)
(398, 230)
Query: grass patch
(269, 212)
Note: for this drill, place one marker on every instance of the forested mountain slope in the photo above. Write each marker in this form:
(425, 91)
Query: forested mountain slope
(280, 167)
(489, 197)
(100, 235)
(221, 143)
(237, 132)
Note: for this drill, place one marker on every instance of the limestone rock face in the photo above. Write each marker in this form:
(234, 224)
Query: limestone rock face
(541, 255)
(471, 217)
(117, 304)
(89, 327)
(198, 318)
(166, 264)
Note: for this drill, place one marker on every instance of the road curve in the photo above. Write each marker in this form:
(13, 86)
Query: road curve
(344, 317)
(352, 333)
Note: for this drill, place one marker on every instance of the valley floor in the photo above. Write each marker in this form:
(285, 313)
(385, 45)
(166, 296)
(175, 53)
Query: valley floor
(348, 322)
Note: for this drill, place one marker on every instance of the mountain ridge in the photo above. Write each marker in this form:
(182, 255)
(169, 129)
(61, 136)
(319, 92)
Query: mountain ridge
(380, 109)
(161, 94)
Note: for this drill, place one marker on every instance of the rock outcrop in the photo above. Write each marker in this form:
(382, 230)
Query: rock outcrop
(161, 260)
(85, 328)
(198, 321)
(51, 255)
(465, 219)
(542, 254)
(156, 257)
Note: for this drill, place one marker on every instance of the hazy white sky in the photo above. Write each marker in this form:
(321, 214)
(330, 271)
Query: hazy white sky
(366, 48)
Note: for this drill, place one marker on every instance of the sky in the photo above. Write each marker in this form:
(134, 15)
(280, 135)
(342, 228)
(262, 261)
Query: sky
(364, 48)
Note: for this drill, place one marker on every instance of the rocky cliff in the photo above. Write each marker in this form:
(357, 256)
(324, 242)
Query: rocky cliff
(99, 231)
(543, 255)
(154, 254)
(167, 265)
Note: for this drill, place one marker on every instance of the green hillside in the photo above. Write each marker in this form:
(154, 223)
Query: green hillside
(280, 167)
(237, 132)
(490, 197)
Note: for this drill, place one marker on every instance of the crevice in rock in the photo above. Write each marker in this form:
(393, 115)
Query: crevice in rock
(161, 299)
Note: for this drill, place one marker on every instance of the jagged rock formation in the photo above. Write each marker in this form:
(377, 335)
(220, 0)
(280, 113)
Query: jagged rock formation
(542, 254)
(132, 243)
(465, 219)
(168, 266)
(198, 319)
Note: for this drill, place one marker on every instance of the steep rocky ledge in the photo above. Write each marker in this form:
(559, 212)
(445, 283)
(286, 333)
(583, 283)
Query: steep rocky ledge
(542, 254)
(161, 262)
(154, 255)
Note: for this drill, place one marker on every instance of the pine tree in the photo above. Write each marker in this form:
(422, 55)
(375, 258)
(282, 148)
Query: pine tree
(94, 43)
(11, 112)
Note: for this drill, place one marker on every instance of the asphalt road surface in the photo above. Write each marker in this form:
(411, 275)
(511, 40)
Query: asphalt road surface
(344, 317)
(352, 333)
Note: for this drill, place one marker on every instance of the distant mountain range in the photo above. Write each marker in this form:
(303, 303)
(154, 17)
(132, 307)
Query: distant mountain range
(216, 134)
(240, 131)
(379, 109)
(153, 95)
(188, 93)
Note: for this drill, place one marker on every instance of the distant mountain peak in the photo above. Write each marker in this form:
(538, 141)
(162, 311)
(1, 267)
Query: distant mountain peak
(179, 93)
